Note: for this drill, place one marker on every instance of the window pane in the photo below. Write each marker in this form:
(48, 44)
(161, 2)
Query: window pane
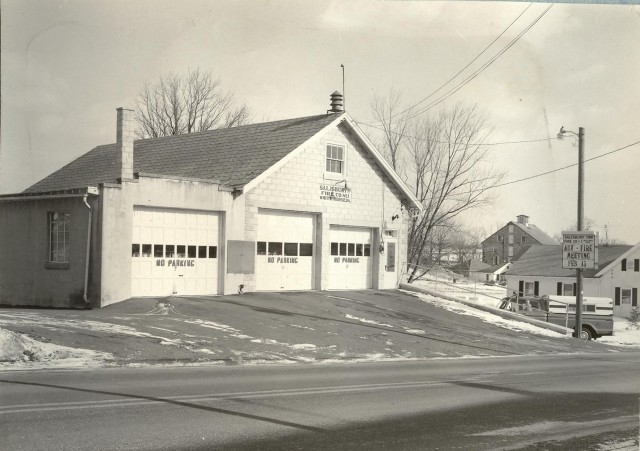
(334, 248)
(135, 250)
(343, 248)
(262, 248)
(358, 250)
(339, 153)
(146, 250)
(291, 249)
(275, 248)
(328, 166)
(213, 251)
(181, 251)
(351, 249)
(202, 251)
(367, 250)
(170, 251)
(191, 251)
(306, 249)
(158, 250)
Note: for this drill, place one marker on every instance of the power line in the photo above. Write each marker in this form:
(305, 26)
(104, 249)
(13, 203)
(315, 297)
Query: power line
(568, 166)
(465, 67)
(481, 69)
(542, 173)
(446, 142)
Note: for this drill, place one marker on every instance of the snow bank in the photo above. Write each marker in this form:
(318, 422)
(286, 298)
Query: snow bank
(19, 351)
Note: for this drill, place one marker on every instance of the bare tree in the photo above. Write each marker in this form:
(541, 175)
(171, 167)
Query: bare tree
(387, 111)
(447, 167)
(452, 173)
(179, 104)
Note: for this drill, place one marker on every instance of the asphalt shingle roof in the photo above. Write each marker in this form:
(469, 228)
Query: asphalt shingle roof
(234, 156)
(546, 261)
(536, 233)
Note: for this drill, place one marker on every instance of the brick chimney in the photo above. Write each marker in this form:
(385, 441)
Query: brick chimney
(124, 143)
(523, 219)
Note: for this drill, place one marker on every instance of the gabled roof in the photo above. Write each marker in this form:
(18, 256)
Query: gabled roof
(234, 156)
(473, 265)
(238, 157)
(629, 251)
(546, 261)
(536, 233)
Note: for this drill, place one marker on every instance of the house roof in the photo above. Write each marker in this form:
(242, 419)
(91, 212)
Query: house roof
(546, 261)
(473, 265)
(536, 233)
(233, 156)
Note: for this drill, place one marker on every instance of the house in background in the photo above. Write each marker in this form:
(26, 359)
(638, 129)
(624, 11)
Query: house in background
(494, 273)
(471, 269)
(539, 272)
(512, 240)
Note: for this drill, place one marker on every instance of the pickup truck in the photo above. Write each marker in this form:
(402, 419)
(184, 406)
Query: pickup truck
(597, 312)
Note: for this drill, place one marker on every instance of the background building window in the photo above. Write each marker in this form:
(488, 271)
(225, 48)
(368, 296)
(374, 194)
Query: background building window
(59, 236)
(335, 159)
(625, 296)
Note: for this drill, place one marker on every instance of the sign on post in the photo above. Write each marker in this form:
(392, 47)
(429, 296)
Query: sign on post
(579, 250)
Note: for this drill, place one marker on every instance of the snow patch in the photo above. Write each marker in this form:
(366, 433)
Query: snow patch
(19, 351)
(367, 321)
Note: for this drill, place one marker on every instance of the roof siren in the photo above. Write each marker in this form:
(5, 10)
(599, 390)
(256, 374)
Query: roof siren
(336, 102)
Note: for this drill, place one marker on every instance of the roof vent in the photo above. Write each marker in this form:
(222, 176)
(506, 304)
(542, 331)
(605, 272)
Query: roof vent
(336, 102)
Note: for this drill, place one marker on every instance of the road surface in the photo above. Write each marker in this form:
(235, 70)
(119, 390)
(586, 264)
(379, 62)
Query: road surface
(554, 401)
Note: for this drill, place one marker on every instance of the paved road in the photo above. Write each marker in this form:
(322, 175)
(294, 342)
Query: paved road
(566, 401)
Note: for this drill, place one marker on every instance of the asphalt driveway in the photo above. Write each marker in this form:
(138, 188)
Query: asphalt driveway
(304, 327)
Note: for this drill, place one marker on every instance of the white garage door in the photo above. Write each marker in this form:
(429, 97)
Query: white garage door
(285, 249)
(174, 252)
(350, 267)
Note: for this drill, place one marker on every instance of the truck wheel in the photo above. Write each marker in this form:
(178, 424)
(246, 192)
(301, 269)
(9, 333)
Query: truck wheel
(586, 334)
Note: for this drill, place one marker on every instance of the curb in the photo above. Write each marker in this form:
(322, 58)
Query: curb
(502, 313)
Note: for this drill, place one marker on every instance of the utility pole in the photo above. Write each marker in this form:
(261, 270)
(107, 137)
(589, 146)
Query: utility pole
(579, 276)
(579, 280)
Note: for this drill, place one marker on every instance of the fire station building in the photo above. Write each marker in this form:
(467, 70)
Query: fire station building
(297, 204)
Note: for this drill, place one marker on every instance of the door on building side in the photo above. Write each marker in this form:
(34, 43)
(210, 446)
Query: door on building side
(351, 263)
(285, 250)
(174, 252)
(390, 258)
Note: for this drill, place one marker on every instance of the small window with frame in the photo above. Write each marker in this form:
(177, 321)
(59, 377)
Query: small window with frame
(59, 233)
(335, 159)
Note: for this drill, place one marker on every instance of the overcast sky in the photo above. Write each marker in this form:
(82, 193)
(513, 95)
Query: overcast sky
(67, 65)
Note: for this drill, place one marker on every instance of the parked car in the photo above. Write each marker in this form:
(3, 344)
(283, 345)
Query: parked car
(597, 312)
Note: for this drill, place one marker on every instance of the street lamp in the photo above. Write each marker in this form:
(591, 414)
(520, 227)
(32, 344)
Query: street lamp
(580, 135)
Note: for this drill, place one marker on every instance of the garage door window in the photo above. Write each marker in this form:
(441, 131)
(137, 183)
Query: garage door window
(291, 249)
(213, 251)
(275, 248)
(181, 251)
(158, 250)
(351, 249)
(146, 250)
(135, 250)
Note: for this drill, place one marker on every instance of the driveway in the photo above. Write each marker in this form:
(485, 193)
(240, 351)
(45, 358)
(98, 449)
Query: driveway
(316, 326)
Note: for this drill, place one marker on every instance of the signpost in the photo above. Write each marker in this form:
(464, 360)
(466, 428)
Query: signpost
(579, 250)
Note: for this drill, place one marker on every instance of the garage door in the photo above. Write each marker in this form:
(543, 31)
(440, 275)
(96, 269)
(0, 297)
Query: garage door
(350, 267)
(174, 252)
(285, 251)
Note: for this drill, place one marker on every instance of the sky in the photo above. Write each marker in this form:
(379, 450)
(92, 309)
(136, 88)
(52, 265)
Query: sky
(67, 65)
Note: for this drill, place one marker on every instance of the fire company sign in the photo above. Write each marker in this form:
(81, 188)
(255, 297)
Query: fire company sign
(579, 250)
(335, 193)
